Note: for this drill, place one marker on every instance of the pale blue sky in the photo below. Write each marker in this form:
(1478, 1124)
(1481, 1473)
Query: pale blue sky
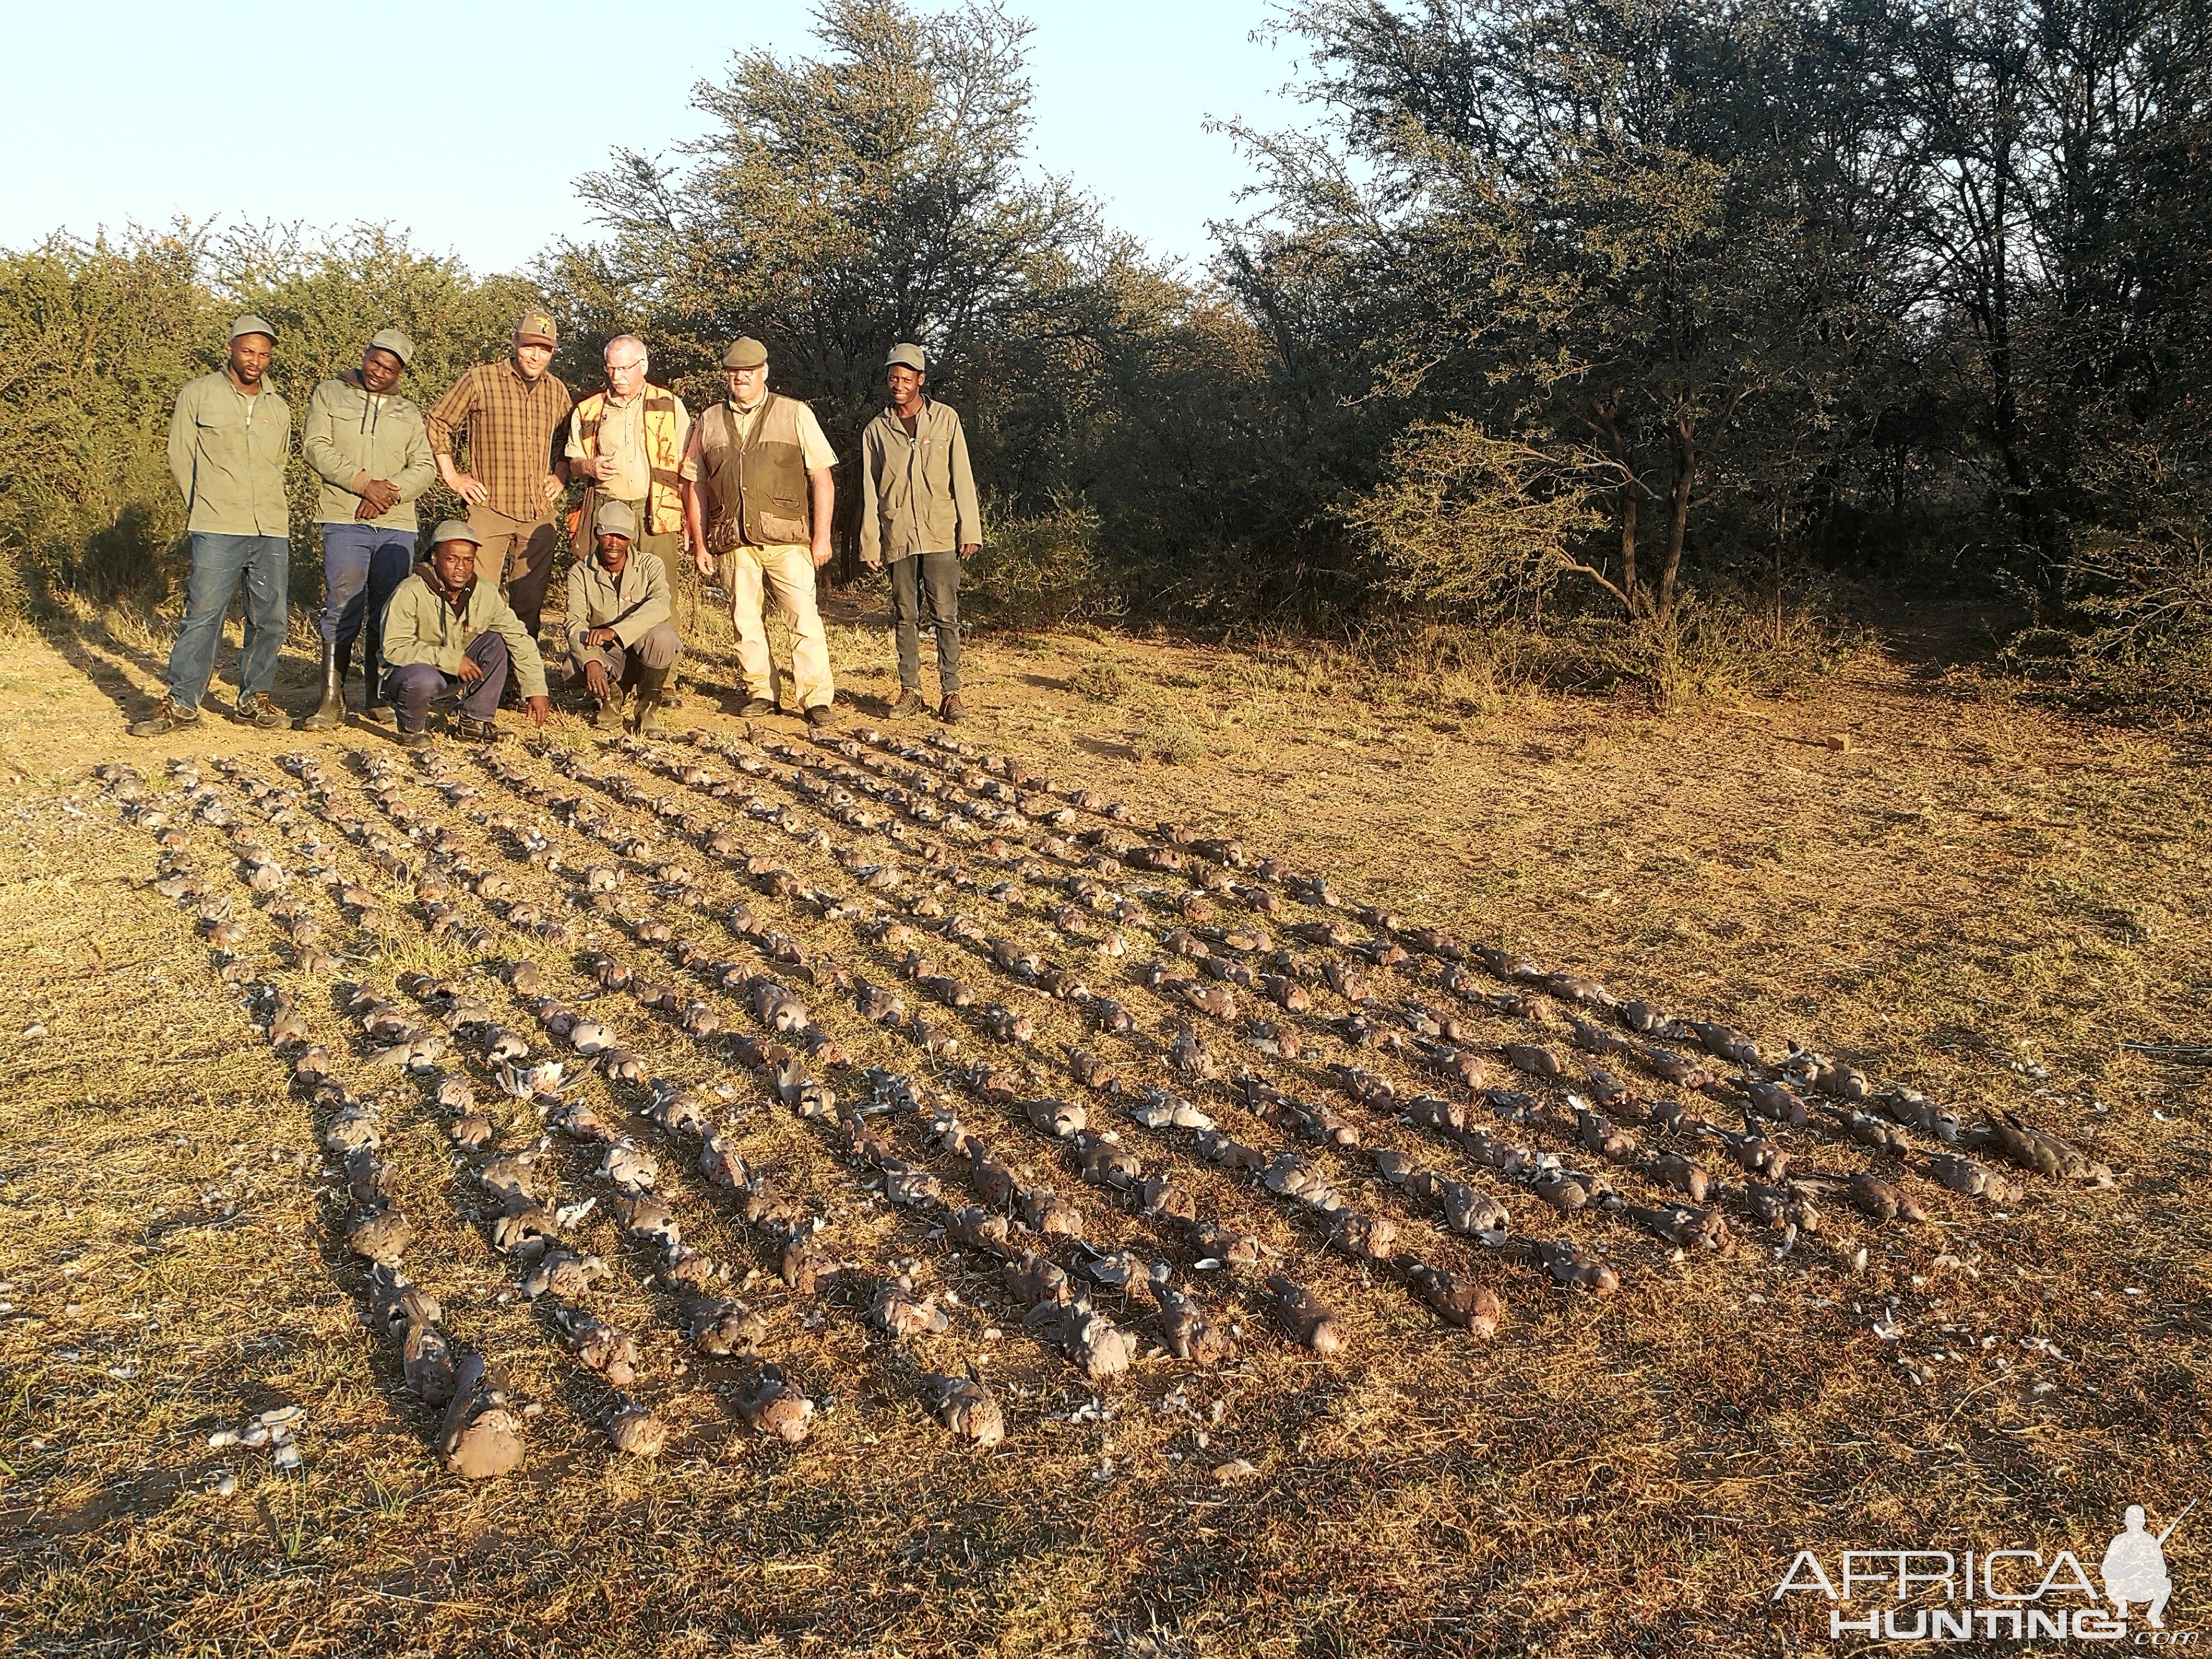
(467, 120)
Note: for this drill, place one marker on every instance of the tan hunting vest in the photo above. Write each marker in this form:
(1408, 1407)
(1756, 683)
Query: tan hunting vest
(664, 454)
(758, 492)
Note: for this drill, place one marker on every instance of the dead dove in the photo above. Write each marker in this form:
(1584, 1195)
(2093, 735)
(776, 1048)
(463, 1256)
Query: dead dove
(1185, 1331)
(481, 1436)
(1057, 1118)
(600, 1345)
(381, 1237)
(1777, 1103)
(774, 1408)
(1305, 1317)
(803, 1265)
(898, 1311)
(1974, 1178)
(905, 1183)
(1682, 1174)
(525, 1230)
(1534, 1060)
(628, 1167)
(565, 1274)
(1363, 1237)
(1460, 1299)
(1094, 1342)
(643, 1215)
(721, 1328)
(1675, 1068)
(1723, 1040)
(1683, 1224)
(978, 1228)
(1868, 1130)
(720, 1161)
(2041, 1150)
(634, 1429)
(1105, 1163)
(1467, 1211)
(426, 1361)
(1032, 1278)
(1044, 1212)
(965, 1406)
(1570, 1264)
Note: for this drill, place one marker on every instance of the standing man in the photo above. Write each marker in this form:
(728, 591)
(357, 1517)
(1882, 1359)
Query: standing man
(918, 511)
(448, 629)
(511, 412)
(370, 448)
(758, 494)
(619, 625)
(227, 442)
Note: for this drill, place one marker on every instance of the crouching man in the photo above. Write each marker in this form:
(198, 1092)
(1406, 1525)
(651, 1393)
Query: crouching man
(619, 629)
(445, 630)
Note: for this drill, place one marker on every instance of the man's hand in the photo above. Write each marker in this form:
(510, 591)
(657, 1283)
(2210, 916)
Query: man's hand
(470, 489)
(821, 549)
(595, 677)
(703, 560)
(967, 548)
(553, 488)
(470, 671)
(599, 636)
(591, 466)
(540, 708)
(381, 494)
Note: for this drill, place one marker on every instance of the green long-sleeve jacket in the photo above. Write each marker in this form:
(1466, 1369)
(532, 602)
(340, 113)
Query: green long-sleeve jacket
(918, 493)
(350, 436)
(419, 626)
(227, 453)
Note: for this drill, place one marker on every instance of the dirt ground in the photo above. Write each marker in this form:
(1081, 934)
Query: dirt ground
(1999, 906)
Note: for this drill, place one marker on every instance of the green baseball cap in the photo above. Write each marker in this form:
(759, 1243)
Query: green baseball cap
(907, 355)
(250, 324)
(748, 353)
(392, 340)
(615, 518)
(454, 529)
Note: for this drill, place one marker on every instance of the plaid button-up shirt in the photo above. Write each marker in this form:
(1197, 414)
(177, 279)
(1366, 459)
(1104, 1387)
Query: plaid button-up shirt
(511, 424)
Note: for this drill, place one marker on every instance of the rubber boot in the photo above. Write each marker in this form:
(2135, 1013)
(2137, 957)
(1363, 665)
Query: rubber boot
(331, 711)
(648, 701)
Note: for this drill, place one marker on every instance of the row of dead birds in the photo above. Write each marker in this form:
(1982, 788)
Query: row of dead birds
(1092, 1341)
(2006, 1134)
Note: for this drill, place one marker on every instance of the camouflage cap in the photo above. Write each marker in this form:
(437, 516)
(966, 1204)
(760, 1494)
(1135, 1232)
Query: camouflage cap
(615, 518)
(454, 529)
(250, 324)
(748, 353)
(535, 328)
(396, 343)
(907, 355)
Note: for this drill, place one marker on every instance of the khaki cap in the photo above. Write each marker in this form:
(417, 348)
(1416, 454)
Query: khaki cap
(250, 324)
(907, 355)
(454, 530)
(615, 518)
(396, 343)
(535, 328)
(748, 353)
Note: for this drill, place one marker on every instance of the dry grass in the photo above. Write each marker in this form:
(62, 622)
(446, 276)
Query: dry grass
(1988, 901)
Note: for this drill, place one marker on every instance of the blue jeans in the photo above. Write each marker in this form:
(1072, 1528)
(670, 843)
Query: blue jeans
(411, 688)
(219, 564)
(362, 565)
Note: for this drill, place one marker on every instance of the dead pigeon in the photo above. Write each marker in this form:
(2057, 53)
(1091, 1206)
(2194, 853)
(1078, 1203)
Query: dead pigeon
(1868, 1130)
(978, 1229)
(899, 1311)
(525, 1230)
(1682, 1174)
(1100, 1347)
(1683, 1224)
(774, 1408)
(2041, 1150)
(1044, 1212)
(1057, 1118)
(1467, 1211)
(1570, 1264)
(565, 1274)
(1106, 1163)
(803, 1265)
(481, 1436)
(1185, 1331)
(600, 1345)
(965, 1406)
(426, 1361)
(722, 1327)
(381, 1238)
(634, 1429)
(1777, 1103)
(1675, 1068)
(1974, 1179)
(1460, 1300)
(1305, 1317)
(1032, 1278)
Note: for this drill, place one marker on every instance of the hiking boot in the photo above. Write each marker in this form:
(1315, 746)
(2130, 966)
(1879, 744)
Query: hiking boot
(649, 683)
(471, 730)
(821, 715)
(908, 701)
(416, 739)
(953, 709)
(331, 711)
(257, 710)
(758, 709)
(608, 716)
(167, 717)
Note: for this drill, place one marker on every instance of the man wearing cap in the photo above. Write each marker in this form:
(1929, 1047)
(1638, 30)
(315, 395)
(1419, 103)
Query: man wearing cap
(918, 511)
(372, 452)
(228, 438)
(757, 494)
(511, 412)
(619, 625)
(448, 629)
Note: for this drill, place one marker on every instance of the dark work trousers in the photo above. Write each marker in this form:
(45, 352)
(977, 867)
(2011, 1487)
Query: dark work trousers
(657, 648)
(411, 688)
(926, 585)
(364, 565)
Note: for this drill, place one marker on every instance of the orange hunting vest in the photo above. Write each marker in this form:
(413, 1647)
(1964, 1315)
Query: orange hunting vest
(664, 512)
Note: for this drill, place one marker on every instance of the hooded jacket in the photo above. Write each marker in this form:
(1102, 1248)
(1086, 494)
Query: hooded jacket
(420, 626)
(348, 433)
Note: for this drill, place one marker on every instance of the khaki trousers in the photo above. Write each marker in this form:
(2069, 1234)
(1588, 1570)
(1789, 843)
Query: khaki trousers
(787, 572)
(517, 556)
